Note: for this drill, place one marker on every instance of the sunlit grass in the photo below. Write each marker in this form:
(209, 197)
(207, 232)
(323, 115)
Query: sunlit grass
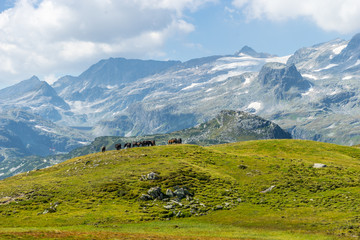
(100, 192)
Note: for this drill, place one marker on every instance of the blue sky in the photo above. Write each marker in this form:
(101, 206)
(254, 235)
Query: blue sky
(5, 4)
(220, 32)
(53, 38)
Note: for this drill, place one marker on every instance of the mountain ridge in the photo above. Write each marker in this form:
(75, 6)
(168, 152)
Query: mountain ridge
(251, 52)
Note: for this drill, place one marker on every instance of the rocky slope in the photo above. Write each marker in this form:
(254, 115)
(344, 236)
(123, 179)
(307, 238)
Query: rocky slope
(234, 126)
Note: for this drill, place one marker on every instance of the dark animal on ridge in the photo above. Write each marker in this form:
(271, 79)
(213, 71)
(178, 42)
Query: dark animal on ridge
(174, 141)
(118, 146)
(136, 144)
(103, 149)
(127, 145)
(146, 143)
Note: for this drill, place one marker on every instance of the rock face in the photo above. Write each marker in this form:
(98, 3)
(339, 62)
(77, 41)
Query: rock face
(339, 99)
(284, 80)
(351, 50)
(232, 126)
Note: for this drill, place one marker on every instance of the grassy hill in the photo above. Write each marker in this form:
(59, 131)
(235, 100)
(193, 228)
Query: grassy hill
(227, 127)
(249, 190)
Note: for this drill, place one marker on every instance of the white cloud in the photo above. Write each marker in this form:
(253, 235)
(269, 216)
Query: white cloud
(50, 78)
(45, 37)
(331, 15)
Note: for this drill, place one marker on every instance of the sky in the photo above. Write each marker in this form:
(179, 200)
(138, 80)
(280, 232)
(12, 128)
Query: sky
(54, 38)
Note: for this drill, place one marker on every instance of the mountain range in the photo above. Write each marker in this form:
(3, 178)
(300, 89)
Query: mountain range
(314, 94)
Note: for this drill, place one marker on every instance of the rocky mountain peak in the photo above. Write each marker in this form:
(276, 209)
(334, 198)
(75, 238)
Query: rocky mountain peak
(283, 79)
(117, 71)
(34, 78)
(20, 88)
(354, 43)
(251, 52)
(247, 50)
(35, 96)
(351, 52)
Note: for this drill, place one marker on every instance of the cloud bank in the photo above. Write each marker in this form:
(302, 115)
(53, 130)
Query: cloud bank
(331, 15)
(58, 36)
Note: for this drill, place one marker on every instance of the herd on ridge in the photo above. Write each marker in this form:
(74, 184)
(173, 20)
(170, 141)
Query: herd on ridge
(144, 143)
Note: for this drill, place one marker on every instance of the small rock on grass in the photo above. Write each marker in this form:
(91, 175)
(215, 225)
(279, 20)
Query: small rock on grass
(319, 165)
(269, 189)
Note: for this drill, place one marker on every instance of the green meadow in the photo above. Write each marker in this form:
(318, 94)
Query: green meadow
(265, 189)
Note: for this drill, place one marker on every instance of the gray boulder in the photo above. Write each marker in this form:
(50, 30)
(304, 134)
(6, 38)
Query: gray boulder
(169, 193)
(218, 207)
(145, 197)
(155, 193)
(169, 206)
(149, 176)
(152, 176)
(319, 165)
(181, 193)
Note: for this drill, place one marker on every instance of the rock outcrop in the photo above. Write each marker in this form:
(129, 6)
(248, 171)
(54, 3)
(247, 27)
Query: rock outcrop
(232, 126)
(284, 80)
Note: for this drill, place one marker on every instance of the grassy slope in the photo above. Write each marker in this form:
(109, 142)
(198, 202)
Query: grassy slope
(101, 192)
(226, 127)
